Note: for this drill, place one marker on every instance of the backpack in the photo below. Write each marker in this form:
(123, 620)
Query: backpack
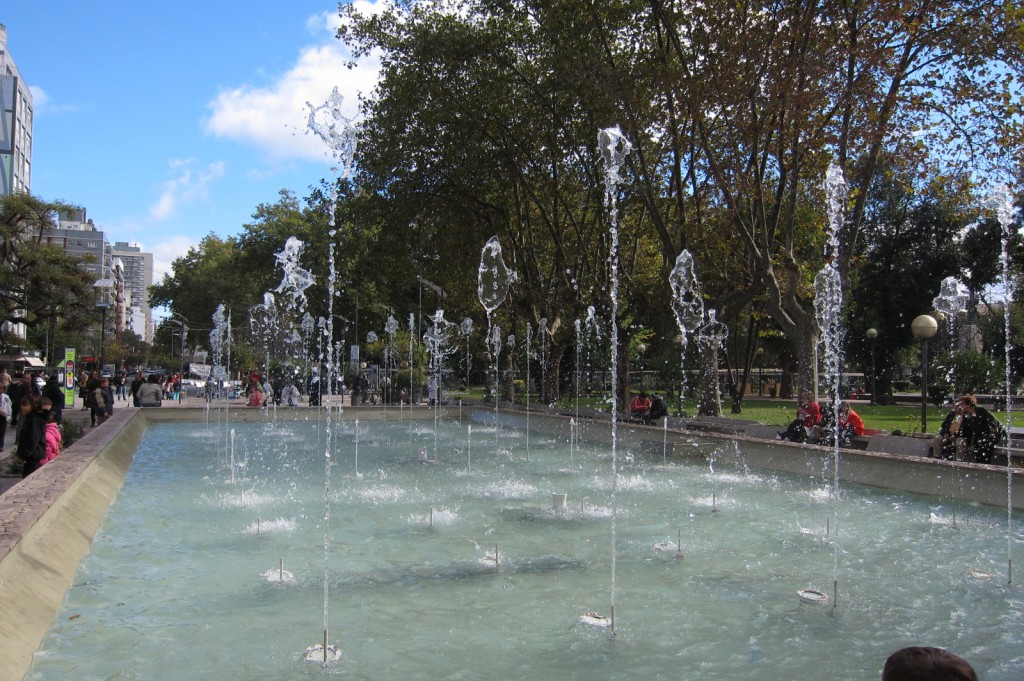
(96, 399)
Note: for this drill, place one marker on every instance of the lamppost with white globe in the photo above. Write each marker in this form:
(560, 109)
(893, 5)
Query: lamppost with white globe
(924, 327)
(872, 336)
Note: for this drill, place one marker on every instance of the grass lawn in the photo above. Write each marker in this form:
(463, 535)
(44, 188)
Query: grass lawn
(777, 412)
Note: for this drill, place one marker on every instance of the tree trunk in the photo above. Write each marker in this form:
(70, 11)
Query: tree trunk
(553, 374)
(710, 403)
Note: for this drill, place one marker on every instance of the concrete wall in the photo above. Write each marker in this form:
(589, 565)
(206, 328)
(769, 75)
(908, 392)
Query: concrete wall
(948, 479)
(47, 523)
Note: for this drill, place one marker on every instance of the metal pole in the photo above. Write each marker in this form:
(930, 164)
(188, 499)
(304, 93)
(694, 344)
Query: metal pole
(924, 385)
(103, 338)
(873, 373)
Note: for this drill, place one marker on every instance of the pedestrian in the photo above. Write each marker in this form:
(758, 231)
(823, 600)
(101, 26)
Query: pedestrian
(5, 380)
(18, 391)
(121, 383)
(432, 390)
(137, 382)
(268, 392)
(55, 391)
(6, 412)
(52, 435)
(32, 438)
(108, 398)
(924, 663)
(97, 401)
(983, 430)
(291, 395)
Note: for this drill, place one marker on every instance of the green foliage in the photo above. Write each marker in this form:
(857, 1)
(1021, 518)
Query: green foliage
(970, 372)
(39, 283)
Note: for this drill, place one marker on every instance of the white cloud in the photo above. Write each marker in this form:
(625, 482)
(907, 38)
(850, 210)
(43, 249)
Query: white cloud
(188, 185)
(39, 97)
(165, 252)
(273, 117)
(41, 102)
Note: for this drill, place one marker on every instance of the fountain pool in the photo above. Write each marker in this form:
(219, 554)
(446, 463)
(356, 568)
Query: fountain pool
(174, 586)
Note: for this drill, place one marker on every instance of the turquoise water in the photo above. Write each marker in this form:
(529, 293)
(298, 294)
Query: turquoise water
(174, 588)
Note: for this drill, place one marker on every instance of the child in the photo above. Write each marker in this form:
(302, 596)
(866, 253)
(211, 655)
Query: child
(53, 437)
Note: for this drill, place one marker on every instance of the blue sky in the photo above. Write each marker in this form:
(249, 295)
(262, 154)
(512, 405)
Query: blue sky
(168, 121)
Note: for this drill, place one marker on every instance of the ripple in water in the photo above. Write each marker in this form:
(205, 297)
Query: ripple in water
(509, 489)
(441, 516)
(279, 526)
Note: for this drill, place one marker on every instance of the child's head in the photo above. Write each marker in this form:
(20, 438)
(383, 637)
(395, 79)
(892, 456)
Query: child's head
(46, 404)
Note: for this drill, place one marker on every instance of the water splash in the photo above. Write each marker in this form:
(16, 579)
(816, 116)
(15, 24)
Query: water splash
(336, 130)
(1000, 202)
(494, 277)
(828, 306)
(615, 149)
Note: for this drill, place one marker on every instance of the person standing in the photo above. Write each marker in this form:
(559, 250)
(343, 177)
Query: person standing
(32, 437)
(6, 411)
(55, 391)
(51, 435)
(137, 382)
(26, 388)
(432, 390)
(108, 398)
(5, 380)
(121, 383)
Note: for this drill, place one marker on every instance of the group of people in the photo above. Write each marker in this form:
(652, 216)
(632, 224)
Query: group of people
(35, 413)
(261, 392)
(648, 409)
(968, 428)
(817, 426)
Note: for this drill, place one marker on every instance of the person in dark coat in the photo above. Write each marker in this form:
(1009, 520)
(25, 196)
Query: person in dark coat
(18, 391)
(55, 391)
(32, 436)
(657, 411)
(982, 429)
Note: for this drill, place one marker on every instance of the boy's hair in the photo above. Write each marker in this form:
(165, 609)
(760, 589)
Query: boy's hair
(923, 663)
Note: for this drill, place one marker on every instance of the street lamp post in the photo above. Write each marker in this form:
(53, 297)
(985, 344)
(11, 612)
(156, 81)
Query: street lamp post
(924, 327)
(872, 335)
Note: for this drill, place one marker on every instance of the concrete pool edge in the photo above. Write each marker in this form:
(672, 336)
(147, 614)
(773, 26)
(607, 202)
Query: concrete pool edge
(47, 523)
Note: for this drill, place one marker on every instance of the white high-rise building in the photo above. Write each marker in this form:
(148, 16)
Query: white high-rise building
(16, 115)
(138, 277)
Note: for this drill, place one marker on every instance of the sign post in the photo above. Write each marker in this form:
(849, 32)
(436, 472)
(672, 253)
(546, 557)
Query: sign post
(70, 377)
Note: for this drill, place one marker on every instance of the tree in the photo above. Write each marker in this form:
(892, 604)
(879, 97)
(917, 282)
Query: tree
(38, 281)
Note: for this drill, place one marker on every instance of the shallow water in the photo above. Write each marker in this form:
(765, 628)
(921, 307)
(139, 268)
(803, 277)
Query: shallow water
(174, 587)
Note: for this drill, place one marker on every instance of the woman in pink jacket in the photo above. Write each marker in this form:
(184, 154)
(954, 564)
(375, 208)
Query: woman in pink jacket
(53, 438)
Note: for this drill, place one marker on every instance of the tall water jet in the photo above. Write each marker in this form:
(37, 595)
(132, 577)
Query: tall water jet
(339, 136)
(1000, 202)
(828, 307)
(688, 308)
(390, 359)
(614, 148)
(494, 278)
(467, 332)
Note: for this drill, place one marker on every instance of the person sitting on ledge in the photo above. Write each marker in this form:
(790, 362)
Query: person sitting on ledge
(808, 415)
(951, 442)
(983, 430)
(657, 411)
(151, 393)
(924, 663)
(640, 405)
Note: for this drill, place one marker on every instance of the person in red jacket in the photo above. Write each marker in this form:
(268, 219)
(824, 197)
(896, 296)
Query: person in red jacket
(639, 405)
(850, 424)
(808, 415)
